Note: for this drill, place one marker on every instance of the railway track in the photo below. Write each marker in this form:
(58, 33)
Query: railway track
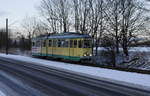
(59, 82)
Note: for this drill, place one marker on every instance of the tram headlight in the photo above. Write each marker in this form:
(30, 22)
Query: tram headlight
(85, 55)
(90, 54)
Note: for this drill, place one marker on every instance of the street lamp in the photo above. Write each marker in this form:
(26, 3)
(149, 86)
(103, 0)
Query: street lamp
(7, 33)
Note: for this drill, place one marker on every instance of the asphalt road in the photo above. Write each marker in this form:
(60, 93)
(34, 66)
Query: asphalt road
(35, 80)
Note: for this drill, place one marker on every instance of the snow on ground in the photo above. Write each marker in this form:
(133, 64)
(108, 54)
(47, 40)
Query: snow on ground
(131, 49)
(18, 82)
(1, 93)
(139, 49)
(134, 78)
(5, 90)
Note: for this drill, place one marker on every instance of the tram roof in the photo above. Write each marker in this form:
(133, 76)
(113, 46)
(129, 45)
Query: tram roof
(66, 35)
(61, 36)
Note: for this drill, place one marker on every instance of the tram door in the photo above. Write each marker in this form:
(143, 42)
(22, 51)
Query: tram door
(71, 50)
(75, 48)
(49, 48)
(43, 50)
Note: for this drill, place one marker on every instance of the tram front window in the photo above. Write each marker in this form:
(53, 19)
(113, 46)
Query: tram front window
(87, 44)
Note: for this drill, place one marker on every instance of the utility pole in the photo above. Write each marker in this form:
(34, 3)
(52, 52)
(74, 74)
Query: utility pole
(6, 36)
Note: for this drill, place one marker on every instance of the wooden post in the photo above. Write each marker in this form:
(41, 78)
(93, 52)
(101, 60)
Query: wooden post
(7, 36)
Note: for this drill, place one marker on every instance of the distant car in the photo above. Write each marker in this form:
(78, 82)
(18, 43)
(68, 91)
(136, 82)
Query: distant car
(70, 46)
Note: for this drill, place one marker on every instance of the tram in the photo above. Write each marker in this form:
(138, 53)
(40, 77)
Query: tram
(70, 46)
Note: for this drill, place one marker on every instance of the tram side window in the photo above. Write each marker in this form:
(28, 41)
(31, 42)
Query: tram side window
(75, 43)
(66, 43)
(54, 43)
(62, 43)
(87, 44)
(71, 43)
(59, 43)
(37, 44)
(80, 43)
(50, 43)
(44, 43)
(33, 44)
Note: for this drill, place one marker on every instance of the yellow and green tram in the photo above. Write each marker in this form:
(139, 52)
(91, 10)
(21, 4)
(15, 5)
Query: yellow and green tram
(70, 46)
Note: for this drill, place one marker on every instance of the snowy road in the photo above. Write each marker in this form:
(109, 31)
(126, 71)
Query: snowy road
(11, 85)
(35, 80)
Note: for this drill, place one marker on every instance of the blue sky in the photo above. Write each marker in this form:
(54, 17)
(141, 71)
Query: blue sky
(17, 10)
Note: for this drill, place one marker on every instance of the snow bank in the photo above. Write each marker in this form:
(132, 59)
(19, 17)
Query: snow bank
(134, 78)
(139, 49)
(131, 49)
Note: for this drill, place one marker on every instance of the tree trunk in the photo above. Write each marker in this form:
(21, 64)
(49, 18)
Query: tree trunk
(117, 45)
(65, 27)
(30, 41)
(117, 41)
(125, 47)
(96, 45)
(113, 59)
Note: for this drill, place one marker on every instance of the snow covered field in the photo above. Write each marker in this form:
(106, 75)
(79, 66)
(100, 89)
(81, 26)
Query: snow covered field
(131, 49)
(108, 74)
(139, 58)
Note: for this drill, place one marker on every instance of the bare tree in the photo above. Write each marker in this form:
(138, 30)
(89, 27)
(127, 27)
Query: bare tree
(56, 12)
(76, 14)
(109, 43)
(81, 14)
(113, 20)
(3, 38)
(30, 24)
(125, 18)
(133, 21)
(41, 29)
(97, 20)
